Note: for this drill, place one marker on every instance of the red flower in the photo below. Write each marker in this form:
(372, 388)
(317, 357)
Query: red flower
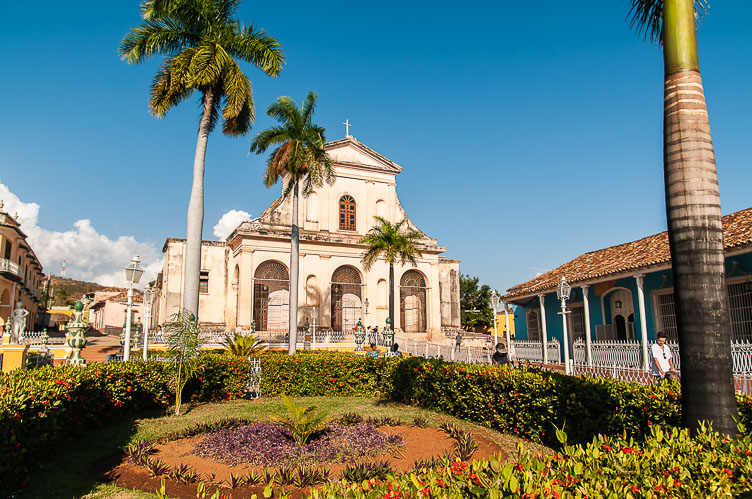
(606, 447)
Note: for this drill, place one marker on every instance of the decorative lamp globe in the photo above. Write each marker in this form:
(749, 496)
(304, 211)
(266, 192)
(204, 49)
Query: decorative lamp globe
(564, 289)
(133, 271)
(314, 313)
(494, 300)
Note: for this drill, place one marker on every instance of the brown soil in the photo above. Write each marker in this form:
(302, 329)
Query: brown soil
(420, 443)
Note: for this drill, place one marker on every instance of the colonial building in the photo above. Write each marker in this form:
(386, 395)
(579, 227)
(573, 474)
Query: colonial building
(626, 292)
(20, 271)
(245, 278)
(109, 308)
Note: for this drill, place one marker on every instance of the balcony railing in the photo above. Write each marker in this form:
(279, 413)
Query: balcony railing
(9, 267)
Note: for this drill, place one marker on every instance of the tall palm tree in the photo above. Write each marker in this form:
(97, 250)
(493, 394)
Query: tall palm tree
(300, 156)
(392, 242)
(202, 42)
(693, 212)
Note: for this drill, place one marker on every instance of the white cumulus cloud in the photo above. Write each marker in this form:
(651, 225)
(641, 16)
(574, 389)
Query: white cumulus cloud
(229, 222)
(89, 255)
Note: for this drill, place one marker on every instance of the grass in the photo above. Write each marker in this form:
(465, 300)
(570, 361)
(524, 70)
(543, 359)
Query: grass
(68, 475)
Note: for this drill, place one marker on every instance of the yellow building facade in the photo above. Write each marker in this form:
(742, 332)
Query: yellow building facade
(21, 275)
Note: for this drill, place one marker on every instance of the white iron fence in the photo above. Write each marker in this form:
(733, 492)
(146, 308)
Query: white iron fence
(629, 354)
(533, 351)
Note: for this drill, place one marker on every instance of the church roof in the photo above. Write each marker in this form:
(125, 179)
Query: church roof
(644, 253)
(351, 152)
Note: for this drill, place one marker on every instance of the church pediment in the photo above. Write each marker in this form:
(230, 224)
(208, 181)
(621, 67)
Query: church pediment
(350, 152)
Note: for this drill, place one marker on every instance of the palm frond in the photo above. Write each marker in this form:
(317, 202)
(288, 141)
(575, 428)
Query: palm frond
(390, 241)
(646, 17)
(166, 37)
(256, 47)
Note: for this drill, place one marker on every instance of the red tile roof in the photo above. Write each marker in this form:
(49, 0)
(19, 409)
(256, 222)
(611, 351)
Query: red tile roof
(641, 254)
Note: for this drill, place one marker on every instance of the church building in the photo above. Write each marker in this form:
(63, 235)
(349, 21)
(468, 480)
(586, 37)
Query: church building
(246, 278)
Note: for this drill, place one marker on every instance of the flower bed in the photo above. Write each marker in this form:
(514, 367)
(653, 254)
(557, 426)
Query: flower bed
(667, 464)
(271, 444)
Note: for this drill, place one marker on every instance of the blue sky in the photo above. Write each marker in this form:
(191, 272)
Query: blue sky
(529, 132)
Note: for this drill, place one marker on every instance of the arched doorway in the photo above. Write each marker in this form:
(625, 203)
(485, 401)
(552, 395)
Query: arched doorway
(622, 315)
(271, 296)
(346, 298)
(413, 302)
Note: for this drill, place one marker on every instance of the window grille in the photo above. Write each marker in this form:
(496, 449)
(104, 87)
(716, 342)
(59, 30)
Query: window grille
(577, 323)
(203, 282)
(667, 316)
(346, 213)
(533, 326)
(740, 310)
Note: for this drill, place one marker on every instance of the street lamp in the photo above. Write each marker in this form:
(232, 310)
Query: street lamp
(314, 316)
(563, 292)
(148, 295)
(133, 273)
(495, 304)
(365, 302)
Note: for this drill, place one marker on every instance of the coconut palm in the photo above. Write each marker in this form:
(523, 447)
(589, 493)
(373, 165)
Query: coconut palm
(202, 42)
(391, 242)
(300, 156)
(693, 212)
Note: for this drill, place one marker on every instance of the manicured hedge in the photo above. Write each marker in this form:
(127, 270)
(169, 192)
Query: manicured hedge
(38, 408)
(668, 464)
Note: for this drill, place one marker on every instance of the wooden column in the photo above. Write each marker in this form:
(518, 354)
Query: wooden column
(588, 339)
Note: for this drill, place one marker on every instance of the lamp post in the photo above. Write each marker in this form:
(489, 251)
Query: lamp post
(494, 304)
(133, 273)
(563, 293)
(148, 295)
(314, 316)
(365, 302)
(510, 347)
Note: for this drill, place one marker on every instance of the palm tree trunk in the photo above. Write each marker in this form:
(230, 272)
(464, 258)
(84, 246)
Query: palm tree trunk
(391, 294)
(294, 265)
(693, 212)
(194, 232)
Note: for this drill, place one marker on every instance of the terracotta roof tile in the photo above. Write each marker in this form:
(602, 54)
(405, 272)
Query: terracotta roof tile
(640, 254)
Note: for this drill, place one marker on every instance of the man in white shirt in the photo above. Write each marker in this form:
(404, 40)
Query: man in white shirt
(663, 365)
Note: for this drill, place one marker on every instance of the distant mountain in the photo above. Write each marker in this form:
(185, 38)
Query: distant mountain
(66, 292)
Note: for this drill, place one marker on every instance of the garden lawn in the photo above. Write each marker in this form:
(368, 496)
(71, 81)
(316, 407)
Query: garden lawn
(68, 474)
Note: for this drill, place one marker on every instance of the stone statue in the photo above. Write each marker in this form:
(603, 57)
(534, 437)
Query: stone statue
(19, 323)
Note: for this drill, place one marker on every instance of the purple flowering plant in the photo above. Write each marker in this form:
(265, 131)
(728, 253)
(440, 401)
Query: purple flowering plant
(265, 443)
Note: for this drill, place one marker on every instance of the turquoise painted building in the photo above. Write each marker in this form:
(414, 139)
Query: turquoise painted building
(626, 291)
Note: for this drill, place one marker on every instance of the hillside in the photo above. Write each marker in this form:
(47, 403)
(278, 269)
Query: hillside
(65, 292)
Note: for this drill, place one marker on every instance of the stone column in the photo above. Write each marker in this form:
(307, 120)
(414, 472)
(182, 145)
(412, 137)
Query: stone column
(542, 298)
(588, 339)
(643, 320)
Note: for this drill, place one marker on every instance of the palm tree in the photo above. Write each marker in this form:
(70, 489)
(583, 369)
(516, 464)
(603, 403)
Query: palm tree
(243, 346)
(300, 156)
(693, 212)
(393, 243)
(184, 351)
(202, 42)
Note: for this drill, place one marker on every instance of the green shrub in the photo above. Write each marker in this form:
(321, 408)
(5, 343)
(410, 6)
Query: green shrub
(666, 464)
(326, 373)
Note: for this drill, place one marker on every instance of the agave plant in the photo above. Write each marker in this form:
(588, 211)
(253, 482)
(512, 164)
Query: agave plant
(243, 345)
(303, 422)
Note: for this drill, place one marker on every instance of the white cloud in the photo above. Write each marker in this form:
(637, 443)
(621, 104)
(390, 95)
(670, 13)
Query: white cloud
(89, 255)
(539, 271)
(229, 222)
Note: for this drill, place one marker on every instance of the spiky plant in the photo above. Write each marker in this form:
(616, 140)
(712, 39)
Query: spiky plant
(301, 422)
(183, 350)
(243, 345)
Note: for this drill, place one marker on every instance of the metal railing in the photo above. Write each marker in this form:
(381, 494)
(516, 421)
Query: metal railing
(629, 354)
(533, 351)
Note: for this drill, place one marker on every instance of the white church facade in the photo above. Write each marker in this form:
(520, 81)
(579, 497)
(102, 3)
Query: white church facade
(245, 279)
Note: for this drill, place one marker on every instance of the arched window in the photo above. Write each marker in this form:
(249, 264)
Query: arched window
(346, 298)
(413, 302)
(346, 213)
(271, 297)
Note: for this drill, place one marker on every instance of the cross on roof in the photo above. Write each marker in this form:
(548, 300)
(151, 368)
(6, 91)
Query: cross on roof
(347, 127)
